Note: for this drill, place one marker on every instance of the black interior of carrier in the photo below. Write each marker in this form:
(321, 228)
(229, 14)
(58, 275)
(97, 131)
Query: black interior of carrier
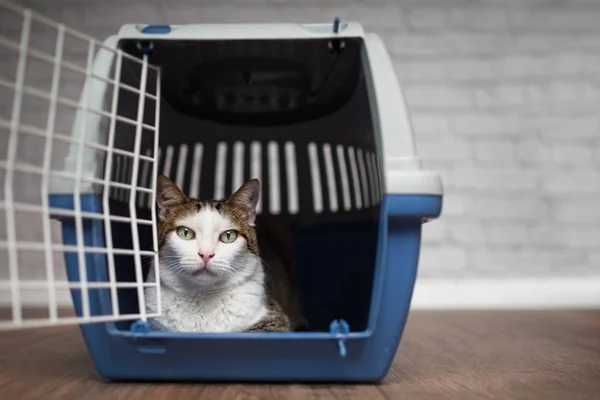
(304, 100)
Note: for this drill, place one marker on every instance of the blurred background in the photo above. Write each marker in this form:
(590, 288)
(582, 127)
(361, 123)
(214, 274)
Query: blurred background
(504, 99)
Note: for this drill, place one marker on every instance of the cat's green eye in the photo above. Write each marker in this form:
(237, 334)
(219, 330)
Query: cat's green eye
(228, 236)
(185, 233)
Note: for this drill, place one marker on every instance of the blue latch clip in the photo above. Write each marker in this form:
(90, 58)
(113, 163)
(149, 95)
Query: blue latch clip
(340, 329)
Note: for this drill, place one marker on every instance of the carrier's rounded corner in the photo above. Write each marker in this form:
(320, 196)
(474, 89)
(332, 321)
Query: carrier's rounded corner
(428, 206)
(413, 181)
(378, 376)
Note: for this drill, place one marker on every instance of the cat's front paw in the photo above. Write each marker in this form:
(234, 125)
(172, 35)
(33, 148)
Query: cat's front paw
(272, 322)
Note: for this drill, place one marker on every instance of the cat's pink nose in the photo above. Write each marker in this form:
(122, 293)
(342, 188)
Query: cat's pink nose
(206, 256)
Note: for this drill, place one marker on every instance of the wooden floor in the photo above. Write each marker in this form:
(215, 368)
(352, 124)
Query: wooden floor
(444, 355)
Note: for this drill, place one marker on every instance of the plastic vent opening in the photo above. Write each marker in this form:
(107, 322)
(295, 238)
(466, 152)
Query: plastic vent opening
(256, 82)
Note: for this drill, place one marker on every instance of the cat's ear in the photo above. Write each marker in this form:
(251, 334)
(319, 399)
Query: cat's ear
(246, 198)
(168, 196)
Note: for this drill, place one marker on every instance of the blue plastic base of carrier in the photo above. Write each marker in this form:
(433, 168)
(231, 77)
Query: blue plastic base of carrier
(366, 355)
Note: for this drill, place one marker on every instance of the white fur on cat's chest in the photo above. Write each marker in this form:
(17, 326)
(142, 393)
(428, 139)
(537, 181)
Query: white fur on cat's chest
(228, 311)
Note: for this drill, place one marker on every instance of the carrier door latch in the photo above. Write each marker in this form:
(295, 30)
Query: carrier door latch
(144, 344)
(140, 327)
(340, 329)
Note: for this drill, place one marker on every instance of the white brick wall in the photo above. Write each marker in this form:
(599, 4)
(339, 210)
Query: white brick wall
(504, 97)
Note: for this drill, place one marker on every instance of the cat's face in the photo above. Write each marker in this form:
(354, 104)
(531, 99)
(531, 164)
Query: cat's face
(206, 244)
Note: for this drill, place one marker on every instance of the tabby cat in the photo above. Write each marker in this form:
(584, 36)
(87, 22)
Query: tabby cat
(212, 276)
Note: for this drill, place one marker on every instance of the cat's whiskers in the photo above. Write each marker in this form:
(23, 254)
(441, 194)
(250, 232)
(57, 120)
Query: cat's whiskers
(175, 257)
(174, 267)
(262, 261)
(225, 268)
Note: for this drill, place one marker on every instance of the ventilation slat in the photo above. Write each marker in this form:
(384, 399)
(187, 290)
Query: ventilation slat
(339, 190)
(256, 169)
(220, 171)
(323, 174)
(238, 166)
(181, 164)
(355, 180)
(264, 165)
(329, 172)
(274, 185)
(196, 170)
(292, 178)
(315, 178)
(168, 161)
(371, 176)
(344, 177)
(363, 177)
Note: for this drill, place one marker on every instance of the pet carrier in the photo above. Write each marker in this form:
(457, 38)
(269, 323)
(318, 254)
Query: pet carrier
(314, 111)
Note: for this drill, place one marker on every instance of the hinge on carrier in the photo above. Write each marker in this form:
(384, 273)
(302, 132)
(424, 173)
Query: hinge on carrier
(340, 329)
(336, 25)
(145, 46)
(336, 45)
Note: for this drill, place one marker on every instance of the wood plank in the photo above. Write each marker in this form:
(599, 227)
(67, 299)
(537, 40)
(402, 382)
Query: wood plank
(444, 355)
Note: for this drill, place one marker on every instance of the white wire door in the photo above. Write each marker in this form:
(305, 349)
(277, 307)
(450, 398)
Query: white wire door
(72, 246)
